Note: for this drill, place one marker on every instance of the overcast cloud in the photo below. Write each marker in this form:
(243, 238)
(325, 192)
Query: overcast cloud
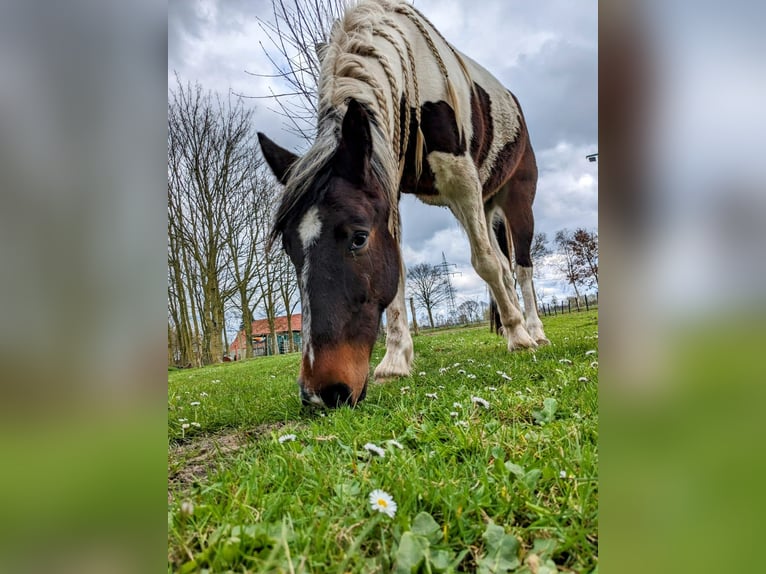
(544, 52)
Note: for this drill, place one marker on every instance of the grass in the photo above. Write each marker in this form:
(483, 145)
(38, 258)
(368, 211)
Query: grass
(512, 487)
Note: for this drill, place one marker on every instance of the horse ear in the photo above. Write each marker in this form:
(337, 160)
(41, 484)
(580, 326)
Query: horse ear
(355, 147)
(279, 159)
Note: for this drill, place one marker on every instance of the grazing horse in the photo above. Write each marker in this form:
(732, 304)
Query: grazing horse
(400, 111)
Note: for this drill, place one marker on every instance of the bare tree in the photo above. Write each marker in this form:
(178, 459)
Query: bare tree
(568, 266)
(429, 286)
(585, 249)
(210, 158)
(468, 311)
(539, 247)
(297, 32)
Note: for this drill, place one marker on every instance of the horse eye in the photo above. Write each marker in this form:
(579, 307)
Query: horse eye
(359, 240)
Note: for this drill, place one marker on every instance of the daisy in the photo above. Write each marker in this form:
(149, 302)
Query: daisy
(461, 424)
(395, 443)
(381, 501)
(431, 395)
(195, 424)
(582, 380)
(457, 406)
(185, 426)
(502, 374)
(454, 414)
(461, 371)
(480, 401)
(471, 376)
(195, 403)
(594, 365)
(203, 394)
(563, 474)
(375, 449)
(286, 438)
(422, 373)
(565, 361)
(591, 352)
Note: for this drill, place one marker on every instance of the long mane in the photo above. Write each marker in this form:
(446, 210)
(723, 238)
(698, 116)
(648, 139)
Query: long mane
(352, 65)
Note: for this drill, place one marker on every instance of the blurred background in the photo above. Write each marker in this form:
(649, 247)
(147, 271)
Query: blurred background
(682, 219)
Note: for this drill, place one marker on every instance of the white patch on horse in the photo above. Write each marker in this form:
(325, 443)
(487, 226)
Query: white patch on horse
(534, 325)
(310, 228)
(306, 312)
(397, 361)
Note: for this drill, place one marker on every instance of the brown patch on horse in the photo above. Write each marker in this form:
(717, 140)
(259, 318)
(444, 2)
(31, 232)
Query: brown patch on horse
(341, 365)
(440, 133)
(508, 158)
(483, 127)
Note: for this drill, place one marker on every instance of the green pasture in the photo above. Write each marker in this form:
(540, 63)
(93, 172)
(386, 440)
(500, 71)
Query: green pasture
(497, 470)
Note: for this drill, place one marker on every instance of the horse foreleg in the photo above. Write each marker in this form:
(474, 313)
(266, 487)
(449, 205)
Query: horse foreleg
(458, 182)
(397, 362)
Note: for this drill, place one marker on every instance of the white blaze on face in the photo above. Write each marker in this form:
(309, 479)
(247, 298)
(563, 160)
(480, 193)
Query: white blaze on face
(308, 232)
(309, 229)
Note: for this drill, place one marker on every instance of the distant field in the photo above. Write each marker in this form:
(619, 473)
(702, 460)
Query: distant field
(512, 487)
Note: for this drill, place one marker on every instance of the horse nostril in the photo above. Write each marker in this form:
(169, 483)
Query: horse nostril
(336, 395)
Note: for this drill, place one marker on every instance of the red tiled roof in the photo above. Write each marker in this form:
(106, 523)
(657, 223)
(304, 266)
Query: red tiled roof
(260, 328)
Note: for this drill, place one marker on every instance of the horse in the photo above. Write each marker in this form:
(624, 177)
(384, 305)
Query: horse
(400, 110)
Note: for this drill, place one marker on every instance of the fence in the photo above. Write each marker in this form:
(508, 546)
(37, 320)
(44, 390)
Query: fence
(585, 304)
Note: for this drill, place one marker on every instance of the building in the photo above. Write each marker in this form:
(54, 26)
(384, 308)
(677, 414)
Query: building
(260, 329)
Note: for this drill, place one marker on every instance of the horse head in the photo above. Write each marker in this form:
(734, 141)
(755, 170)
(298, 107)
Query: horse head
(347, 261)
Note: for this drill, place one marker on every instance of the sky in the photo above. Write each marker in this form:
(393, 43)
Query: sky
(544, 52)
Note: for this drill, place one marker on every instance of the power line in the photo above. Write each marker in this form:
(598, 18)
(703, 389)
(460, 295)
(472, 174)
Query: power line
(444, 269)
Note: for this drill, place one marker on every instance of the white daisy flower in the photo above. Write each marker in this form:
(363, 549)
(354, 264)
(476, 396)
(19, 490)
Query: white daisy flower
(195, 403)
(381, 501)
(461, 371)
(565, 361)
(594, 365)
(502, 374)
(203, 394)
(492, 389)
(456, 365)
(457, 406)
(471, 361)
(461, 424)
(395, 443)
(591, 352)
(216, 381)
(286, 438)
(582, 380)
(182, 420)
(196, 424)
(431, 396)
(480, 401)
(187, 508)
(563, 474)
(370, 447)
(454, 414)
(471, 376)
(440, 387)
(185, 426)
(422, 373)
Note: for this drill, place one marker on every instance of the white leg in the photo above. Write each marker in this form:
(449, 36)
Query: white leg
(534, 325)
(397, 362)
(458, 182)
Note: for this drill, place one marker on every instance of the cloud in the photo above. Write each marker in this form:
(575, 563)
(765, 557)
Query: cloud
(544, 52)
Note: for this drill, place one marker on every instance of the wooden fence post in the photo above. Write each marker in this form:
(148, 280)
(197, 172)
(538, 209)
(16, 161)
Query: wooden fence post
(414, 320)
